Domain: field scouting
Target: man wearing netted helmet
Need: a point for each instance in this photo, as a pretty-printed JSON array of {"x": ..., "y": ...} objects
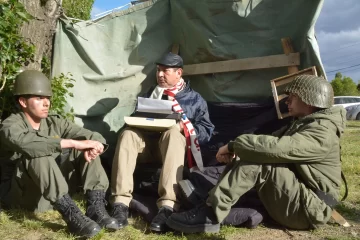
[
  {"x": 296, "y": 171},
  {"x": 43, "y": 156}
]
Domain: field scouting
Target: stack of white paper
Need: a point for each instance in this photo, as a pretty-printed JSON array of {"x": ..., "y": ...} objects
[{"x": 152, "y": 106}]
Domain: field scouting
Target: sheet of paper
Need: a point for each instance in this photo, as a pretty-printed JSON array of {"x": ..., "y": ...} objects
[{"x": 154, "y": 105}]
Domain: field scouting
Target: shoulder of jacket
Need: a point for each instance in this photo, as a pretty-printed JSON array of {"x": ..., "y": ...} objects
[
  {"x": 54, "y": 119},
  {"x": 322, "y": 125},
  {"x": 13, "y": 118},
  {"x": 195, "y": 94},
  {"x": 327, "y": 124},
  {"x": 148, "y": 93}
]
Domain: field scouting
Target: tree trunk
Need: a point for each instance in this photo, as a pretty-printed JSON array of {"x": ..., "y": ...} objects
[{"x": 40, "y": 30}]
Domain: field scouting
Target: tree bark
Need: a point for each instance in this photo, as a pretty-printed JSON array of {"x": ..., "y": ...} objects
[{"x": 40, "y": 30}]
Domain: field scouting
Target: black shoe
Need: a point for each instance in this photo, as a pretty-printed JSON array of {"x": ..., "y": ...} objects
[
  {"x": 96, "y": 210},
  {"x": 189, "y": 194},
  {"x": 120, "y": 212},
  {"x": 158, "y": 224},
  {"x": 78, "y": 224},
  {"x": 199, "y": 219}
]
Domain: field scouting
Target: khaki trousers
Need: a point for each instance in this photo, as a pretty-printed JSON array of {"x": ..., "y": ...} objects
[{"x": 135, "y": 144}]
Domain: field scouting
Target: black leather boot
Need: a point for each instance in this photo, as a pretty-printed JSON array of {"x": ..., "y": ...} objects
[
  {"x": 158, "y": 224},
  {"x": 78, "y": 224},
  {"x": 199, "y": 219},
  {"x": 190, "y": 196},
  {"x": 120, "y": 212},
  {"x": 96, "y": 210}
]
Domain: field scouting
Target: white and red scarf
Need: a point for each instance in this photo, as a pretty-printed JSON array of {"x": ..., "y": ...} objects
[{"x": 192, "y": 144}]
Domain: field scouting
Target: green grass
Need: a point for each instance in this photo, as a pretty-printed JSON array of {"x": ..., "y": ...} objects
[{"x": 18, "y": 224}]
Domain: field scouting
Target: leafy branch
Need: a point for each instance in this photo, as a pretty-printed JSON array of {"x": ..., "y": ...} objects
[
  {"x": 15, "y": 53},
  {"x": 60, "y": 87}
]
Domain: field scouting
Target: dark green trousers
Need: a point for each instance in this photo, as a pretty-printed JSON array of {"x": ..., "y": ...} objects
[
  {"x": 287, "y": 200},
  {"x": 39, "y": 182}
]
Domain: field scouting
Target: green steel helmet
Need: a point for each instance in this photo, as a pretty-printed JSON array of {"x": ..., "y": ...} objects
[
  {"x": 312, "y": 90},
  {"x": 32, "y": 82}
]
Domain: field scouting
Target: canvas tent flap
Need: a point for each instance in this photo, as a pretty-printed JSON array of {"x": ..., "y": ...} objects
[
  {"x": 112, "y": 59},
  {"x": 210, "y": 31}
]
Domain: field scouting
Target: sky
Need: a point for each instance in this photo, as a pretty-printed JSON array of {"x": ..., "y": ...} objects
[{"x": 337, "y": 31}]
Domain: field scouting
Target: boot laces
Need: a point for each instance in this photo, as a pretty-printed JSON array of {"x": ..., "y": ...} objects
[
  {"x": 120, "y": 210},
  {"x": 76, "y": 216},
  {"x": 100, "y": 207}
]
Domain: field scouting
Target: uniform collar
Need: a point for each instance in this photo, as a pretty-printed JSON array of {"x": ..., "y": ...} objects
[{"x": 44, "y": 124}]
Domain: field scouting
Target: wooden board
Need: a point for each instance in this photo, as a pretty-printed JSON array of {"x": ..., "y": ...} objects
[
  {"x": 339, "y": 219},
  {"x": 289, "y": 78},
  {"x": 175, "y": 48},
  {"x": 272, "y": 61},
  {"x": 288, "y": 48}
]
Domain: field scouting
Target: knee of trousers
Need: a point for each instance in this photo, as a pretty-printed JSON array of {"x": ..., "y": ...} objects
[
  {"x": 173, "y": 132},
  {"x": 130, "y": 134},
  {"x": 46, "y": 174}
]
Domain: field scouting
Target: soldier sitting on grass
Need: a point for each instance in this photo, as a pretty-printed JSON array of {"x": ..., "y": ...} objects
[
  {"x": 296, "y": 171},
  {"x": 40, "y": 154}
]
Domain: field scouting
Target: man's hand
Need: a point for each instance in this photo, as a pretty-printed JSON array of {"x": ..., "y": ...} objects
[
  {"x": 91, "y": 148},
  {"x": 89, "y": 144},
  {"x": 90, "y": 155},
  {"x": 224, "y": 156}
]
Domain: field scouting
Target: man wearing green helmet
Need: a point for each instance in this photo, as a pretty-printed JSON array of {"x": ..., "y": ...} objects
[
  {"x": 296, "y": 171},
  {"x": 43, "y": 157}
]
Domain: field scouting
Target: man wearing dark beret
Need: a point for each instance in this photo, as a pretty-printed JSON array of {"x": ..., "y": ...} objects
[{"x": 171, "y": 146}]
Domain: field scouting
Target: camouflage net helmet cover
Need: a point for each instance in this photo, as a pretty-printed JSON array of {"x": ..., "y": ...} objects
[
  {"x": 312, "y": 90},
  {"x": 32, "y": 82}
]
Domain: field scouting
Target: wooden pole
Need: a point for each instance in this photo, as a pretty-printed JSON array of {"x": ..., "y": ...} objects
[{"x": 288, "y": 48}]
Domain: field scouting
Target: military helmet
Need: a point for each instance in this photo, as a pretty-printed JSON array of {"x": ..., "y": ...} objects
[
  {"x": 32, "y": 82},
  {"x": 312, "y": 90}
]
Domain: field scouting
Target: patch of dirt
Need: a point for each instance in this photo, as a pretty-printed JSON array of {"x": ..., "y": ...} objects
[{"x": 33, "y": 236}]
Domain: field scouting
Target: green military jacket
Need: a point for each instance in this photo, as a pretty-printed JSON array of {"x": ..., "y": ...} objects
[
  {"x": 18, "y": 138},
  {"x": 310, "y": 145}
]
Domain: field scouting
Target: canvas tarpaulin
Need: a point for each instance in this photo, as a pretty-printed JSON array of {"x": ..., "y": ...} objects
[{"x": 112, "y": 59}]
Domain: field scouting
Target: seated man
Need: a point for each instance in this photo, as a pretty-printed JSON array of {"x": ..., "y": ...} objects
[
  {"x": 292, "y": 170},
  {"x": 41, "y": 154},
  {"x": 169, "y": 146}
]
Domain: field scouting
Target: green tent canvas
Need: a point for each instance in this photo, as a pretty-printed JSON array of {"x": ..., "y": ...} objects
[{"x": 112, "y": 58}]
